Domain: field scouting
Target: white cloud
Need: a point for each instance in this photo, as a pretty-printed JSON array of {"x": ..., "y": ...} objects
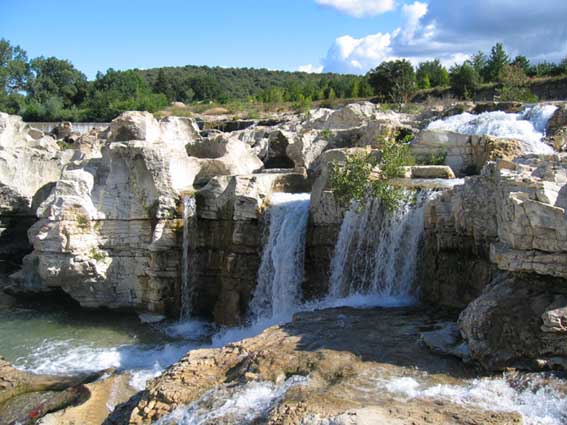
[
  {"x": 439, "y": 29},
  {"x": 311, "y": 69},
  {"x": 360, "y": 8}
]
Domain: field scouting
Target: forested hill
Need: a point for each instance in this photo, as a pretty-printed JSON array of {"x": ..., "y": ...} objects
[{"x": 197, "y": 83}]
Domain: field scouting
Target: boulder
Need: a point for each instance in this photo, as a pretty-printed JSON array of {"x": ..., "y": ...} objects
[
  {"x": 465, "y": 154},
  {"x": 134, "y": 126},
  {"x": 518, "y": 321}
]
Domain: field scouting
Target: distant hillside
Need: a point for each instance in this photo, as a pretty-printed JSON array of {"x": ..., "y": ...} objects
[{"x": 197, "y": 83}]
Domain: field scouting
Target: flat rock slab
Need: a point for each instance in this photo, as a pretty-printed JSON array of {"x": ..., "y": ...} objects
[{"x": 348, "y": 355}]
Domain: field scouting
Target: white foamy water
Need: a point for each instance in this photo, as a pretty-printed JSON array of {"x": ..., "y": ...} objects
[
  {"x": 66, "y": 357},
  {"x": 232, "y": 405},
  {"x": 528, "y": 126},
  {"x": 278, "y": 290},
  {"x": 376, "y": 252},
  {"x": 538, "y": 403},
  {"x": 189, "y": 209}
]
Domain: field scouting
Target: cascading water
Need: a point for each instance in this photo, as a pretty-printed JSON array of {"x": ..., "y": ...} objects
[
  {"x": 189, "y": 208},
  {"x": 377, "y": 250},
  {"x": 528, "y": 126},
  {"x": 278, "y": 291}
]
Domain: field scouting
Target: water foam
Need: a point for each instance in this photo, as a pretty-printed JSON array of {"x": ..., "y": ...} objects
[
  {"x": 241, "y": 404},
  {"x": 376, "y": 252},
  {"x": 528, "y": 126},
  {"x": 280, "y": 275},
  {"x": 538, "y": 403}
]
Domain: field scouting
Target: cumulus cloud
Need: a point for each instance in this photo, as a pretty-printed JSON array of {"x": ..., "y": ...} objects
[
  {"x": 439, "y": 29},
  {"x": 311, "y": 69},
  {"x": 360, "y": 8}
]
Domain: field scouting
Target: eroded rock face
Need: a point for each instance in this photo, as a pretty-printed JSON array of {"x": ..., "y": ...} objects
[
  {"x": 108, "y": 233},
  {"x": 519, "y": 320},
  {"x": 512, "y": 217},
  {"x": 466, "y": 155},
  {"x": 30, "y": 163}
]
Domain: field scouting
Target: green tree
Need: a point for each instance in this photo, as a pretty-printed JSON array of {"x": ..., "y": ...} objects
[
  {"x": 14, "y": 76},
  {"x": 465, "y": 80},
  {"x": 393, "y": 81},
  {"x": 497, "y": 60},
  {"x": 52, "y": 77},
  {"x": 369, "y": 174},
  {"x": 117, "y": 91},
  {"x": 515, "y": 85},
  {"x": 522, "y": 63},
  {"x": 432, "y": 72},
  {"x": 479, "y": 62}
]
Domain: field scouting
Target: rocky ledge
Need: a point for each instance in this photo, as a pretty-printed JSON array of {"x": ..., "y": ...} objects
[{"x": 339, "y": 358}]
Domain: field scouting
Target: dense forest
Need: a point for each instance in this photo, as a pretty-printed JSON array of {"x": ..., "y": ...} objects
[{"x": 52, "y": 89}]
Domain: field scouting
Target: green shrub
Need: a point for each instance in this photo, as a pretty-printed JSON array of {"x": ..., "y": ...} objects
[{"x": 363, "y": 175}]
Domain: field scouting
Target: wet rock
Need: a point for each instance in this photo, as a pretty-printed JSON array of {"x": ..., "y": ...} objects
[
  {"x": 345, "y": 360},
  {"x": 229, "y": 233}
]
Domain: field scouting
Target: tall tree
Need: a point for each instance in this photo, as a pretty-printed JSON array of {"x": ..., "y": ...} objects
[
  {"x": 497, "y": 60},
  {"x": 52, "y": 77},
  {"x": 464, "y": 80},
  {"x": 432, "y": 72},
  {"x": 14, "y": 76},
  {"x": 393, "y": 81}
]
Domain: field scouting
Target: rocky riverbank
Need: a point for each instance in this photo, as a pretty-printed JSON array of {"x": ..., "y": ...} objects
[{"x": 101, "y": 218}]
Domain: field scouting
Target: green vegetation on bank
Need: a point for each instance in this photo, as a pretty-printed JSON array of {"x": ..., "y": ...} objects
[
  {"x": 366, "y": 175},
  {"x": 52, "y": 89}
]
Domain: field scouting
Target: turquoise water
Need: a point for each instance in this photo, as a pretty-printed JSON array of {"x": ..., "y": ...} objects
[{"x": 53, "y": 339}]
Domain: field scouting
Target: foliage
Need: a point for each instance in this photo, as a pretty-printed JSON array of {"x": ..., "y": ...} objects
[
  {"x": 14, "y": 75},
  {"x": 366, "y": 174},
  {"x": 393, "y": 81},
  {"x": 465, "y": 80},
  {"x": 435, "y": 159},
  {"x": 515, "y": 85},
  {"x": 497, "y": 60},
  {"x": 118, "y": 91},
  {"x": 432, "y": 74},
  {"x": 478, "y": 62},
  {"x": 52, "y": 77}
]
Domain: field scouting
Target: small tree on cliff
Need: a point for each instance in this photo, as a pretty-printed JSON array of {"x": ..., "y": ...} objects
[
  {"x": 368, "y": 174},
  {"x": 393, "y": 81}
]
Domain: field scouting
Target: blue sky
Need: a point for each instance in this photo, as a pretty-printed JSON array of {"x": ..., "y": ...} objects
[{"x": 334, "y": 35}]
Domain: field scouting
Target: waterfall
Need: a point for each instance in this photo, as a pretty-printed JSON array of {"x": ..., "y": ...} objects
[
  {"x": 528, "y": 126},
  {"x": 189, "y": 208},
  {"x": 280, "y": 275},
  {"x": 377, "y": 251}
]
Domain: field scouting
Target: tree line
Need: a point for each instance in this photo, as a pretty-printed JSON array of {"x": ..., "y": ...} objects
[
  {"x": 52, "y": 89},
  {"x": 397, "y": 81}
]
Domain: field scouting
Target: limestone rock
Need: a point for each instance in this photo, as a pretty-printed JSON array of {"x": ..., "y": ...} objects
[
  {"x": 465, "y": 154},
  {"x": 358, "y": 349},
  {"x": 503, "y": 327},
  {"x": 29, "y": 166},
  {"x": 229, "y": 235},
  {"x": 108, "y": 233},
  {"x": 134, "y": 126}
]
